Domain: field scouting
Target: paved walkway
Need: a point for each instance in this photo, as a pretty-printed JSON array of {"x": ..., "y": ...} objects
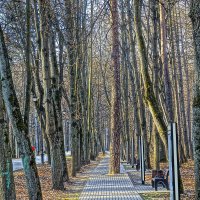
[
  {"x": 102, "y": 186},
  {"x": 135, "y": 177}
]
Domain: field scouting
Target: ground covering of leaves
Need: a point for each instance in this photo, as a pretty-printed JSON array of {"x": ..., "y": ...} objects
[
  {"x": 76, "y": 185},
  {"x": 72, "y": 189},
  {"x": 187, "y": 174}
]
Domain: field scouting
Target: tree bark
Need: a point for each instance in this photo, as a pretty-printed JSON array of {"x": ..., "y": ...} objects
[
  {"x": 7, "y": 185},
  {"x": 71, "y": 47},
  {"x": 139, "y": 109},
  {"x": 185, "y": 62},
  {"x": 164, "y": 58},
  {"x": 58, "y": 169},
  {"x": 28, "y": 66},
  {"x": 195, "y": 17},
  {"x": 115, "y": 103},
  {"x": 19, "y": 128},
  {"x": 125, "y": 81},
  {"x": 155, "y": 79},
  {"x": 149, "y": 95},
  {"x": 57, "y": 95},
  {"x": 181, "y": 95}
]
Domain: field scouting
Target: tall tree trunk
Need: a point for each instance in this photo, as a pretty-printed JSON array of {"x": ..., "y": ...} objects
[
  {"x": 195, "y": 17},
  {"x": 19, "y": 128},
  {"x": 57, "y": 95},
  {"x": 83, "y": 88},
  {"x": 98, "y": 120},
  {"x": 181, "y": 94},
  {"x": 51, "y": 123},
  {"x": 139, "y": 109},
  {"x": 28, "y": 65},
  {"x": 36, "y": 83},
  {"x": 149, "y": 95},
  {"x": 71, "y": 47},
  {"x": 115, "y": 108},
  {"x": 176, "y": 94},
  {"x": 7, "y": 186},
  {"x": 125, "y": 81},
  {"x": 156, "y": 78},
  {"x": 164, "y": 58},
  {"x": 89, "y": 107},
  {"x": 185, "y": 62},
  {"x": 79, "y": 40}
]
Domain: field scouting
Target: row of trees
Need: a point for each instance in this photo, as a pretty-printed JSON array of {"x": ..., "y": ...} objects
[{"x": 123, "y": 66}]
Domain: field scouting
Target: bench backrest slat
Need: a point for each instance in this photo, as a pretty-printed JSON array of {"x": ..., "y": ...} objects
[{"x": 160, "y": 173}]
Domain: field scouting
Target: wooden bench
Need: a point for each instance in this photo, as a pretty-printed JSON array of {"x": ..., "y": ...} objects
[{"x": 160, "y": 176}]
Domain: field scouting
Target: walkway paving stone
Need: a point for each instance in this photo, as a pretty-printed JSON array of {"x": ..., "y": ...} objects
[
  {"x": 103, "y": 186},
  {"x": 135, "y": 175}
]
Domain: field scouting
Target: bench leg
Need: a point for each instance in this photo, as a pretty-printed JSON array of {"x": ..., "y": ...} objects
[
  {"x": 156, "y": 185},
  {"x": 152, "y": 184},
  {"x": 167, "y": 185}
]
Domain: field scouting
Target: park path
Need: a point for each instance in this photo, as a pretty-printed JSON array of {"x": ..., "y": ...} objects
[{"x": 103, "y": 186}]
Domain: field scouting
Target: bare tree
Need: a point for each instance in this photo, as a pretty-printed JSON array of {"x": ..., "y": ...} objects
[
  {"x": 19, "y": 128},
  {"x": 115, "y": 102},
  {"x": 7, "y": 186}
]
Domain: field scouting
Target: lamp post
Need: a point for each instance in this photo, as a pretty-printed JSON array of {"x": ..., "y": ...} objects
[
  {"x": 173, "y": 161},
  {"x": 106, "y": 139},
  {"x": 142, "y": 162},
  {"x": 132, "y": 152}
]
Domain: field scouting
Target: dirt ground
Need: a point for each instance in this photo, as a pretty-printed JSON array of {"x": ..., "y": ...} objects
[
  {"x": 187, "y": 174},
  {"x": 76, "y": 185},
  {"x": 72, "y": 189}
]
